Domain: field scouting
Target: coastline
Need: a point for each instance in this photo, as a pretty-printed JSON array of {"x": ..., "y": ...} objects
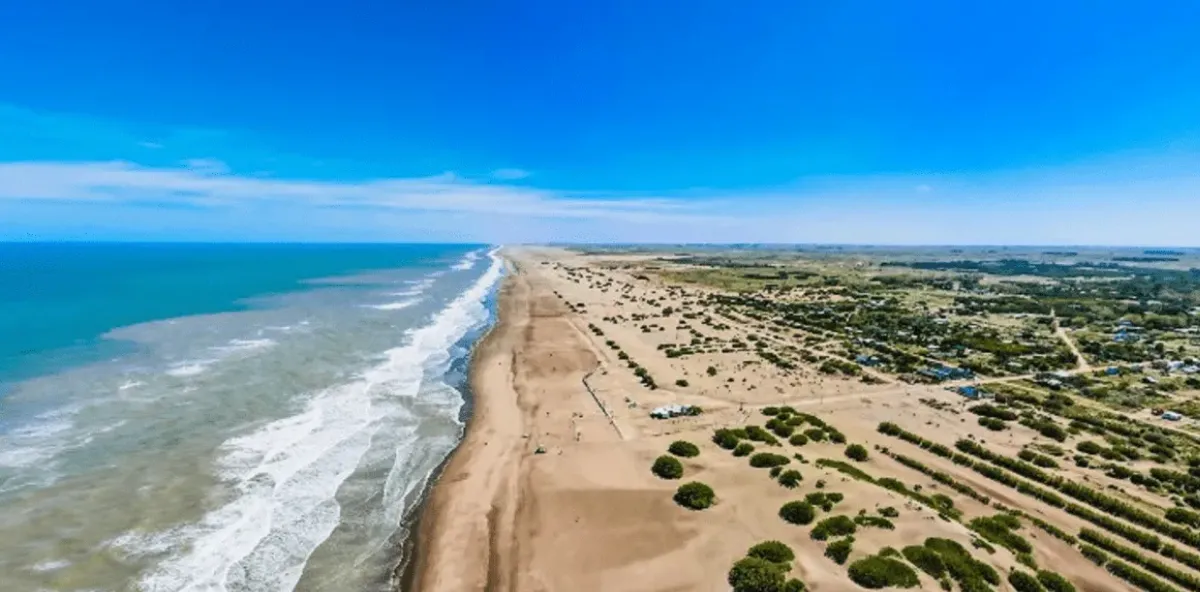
[{"x": 412, "y": 570}]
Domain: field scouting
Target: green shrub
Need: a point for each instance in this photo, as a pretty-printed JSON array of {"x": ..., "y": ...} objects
[
  {"x": 1053, "y": 582},
  {"x": 1023, "y": 582},
  {"x": 681, "y": 383},
  {"x": 783, "y": 430},
  {"x": 839, "y": 550},
  {"x": 889, "y": 512},
  {"x": 694, "y": 495},
  {"x": 775, "y": 471},
  {"x": 743, "y": 449},
  {"x": 1093, "y": 554},
  {"x": 992, "y": 423},
  {"x": 926, "y": 560},
  {"x": 798, "y": 440},
  {"x": 801, "y": 513},
  {"x": 998, "y": 529},
  {"x": 791, "y": 479},
  {"x": 815, "y": 434},
  {"x": 837, "y": 437},
  {"x": 763, "y": 460},
  {"x": 833, "y": 526},
  {"x": 683, "y": 448},
  {"x": 770, "y": 411},
  {"x": 773, "y": 551},
  {"x": 882, "y": 572},
  {"x": 751, "y": 574},
  {"x": 856, "y": 452},
  {"x": 874, "y": 521},
  {"x": 725, "y": 438},
  {"x": 667, "y": 467},
  {"x": 889, "y": 552},
  {"x": 794, "y": 585}
]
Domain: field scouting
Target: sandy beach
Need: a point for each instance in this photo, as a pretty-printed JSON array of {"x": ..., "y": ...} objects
[{"x": 551, "y": 488}]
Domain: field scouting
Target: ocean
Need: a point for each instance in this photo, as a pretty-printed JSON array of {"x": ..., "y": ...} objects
[{"x": 227, "y": 417}]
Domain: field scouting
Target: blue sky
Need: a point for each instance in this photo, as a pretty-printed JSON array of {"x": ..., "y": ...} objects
[{"x": 773, "y": 121}]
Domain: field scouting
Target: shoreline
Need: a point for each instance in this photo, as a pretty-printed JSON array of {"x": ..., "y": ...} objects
[{"x": 415, "y": 549}]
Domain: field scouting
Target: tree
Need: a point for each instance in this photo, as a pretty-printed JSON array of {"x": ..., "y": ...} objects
[
  {"x": 694, "y": 495},
  {"x": 667, "y": 467},
  {"x": 752, "y": 574},
  {"x": 683, "y": 448},
  {"x": 800, "y": 513},
  {"x": 856, "y": 452},
  {"x": 773, "y": 551},
  {"x": 712, "y": 371}
]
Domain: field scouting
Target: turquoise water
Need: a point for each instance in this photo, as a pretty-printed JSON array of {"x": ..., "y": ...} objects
[
  {"x": 58, "y": 299},
  {"x": 226, "y": 417}
]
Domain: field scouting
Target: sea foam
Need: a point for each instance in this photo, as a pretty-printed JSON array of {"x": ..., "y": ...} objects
[{"x": 286, "y": 474}]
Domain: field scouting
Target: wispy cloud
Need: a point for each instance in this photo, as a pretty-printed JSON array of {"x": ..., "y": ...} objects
[
  {"x": 510, "y": 174},
  {"x": 209, "y": 183}
]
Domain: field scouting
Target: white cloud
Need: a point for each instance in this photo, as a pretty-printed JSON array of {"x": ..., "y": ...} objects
[
  {"x": 207, "y": 182},
  {"x": 510, "y": 174}
]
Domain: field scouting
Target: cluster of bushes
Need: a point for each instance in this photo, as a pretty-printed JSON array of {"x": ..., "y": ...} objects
[
  {"x": 799, "y": 513},
  {"x": 878, "y": 571},
  {"x": 823, "y": 500},
  {"x": 874, "y": 522},
  {"x": 695, "y": 496},
  {"x": 970, "y": 573},
  {"x": 839, "y": 550},
  {"x": 1083, "y": 493},
  {"x": 667, "y": 467},
  {"x": 992, "y": 423},
  {"x": 1040, "y": 460},
  {"x": 1054, "y": 582},
  {"x": 743, "y": 449},
  {"x": 941, "y": 477},
  {"x": 832, "y": 526},
  {"x": 1137, "y": 577},
  {"x": 766, "y": 460},
  {"x": 999, "y": 529},
  {"x": 989, "y": 410},
  {"x": 943, "y": 504},
  {"x": 790, "y": 479},
  {"x": 856, "y": 452},
  {"x": 758, "y": 434},
  {"x": 1024, "y": 582},
  {"x": 754, "y": 574},
  {"x": 1189, "y": 580},
  {"x": 683, "y": 448}
]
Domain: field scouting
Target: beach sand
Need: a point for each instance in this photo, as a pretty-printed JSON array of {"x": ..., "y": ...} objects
[{"x": 551, "y": 490}]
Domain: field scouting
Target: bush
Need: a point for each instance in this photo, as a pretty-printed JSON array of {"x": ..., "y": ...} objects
[
  {"x": 837, "y": 437},
  {"x": 838, "y": 551},
  {"x": 889, "y": 512},
  {"x": 683, "y": 448},
  {"x": 725, "y": 438},
  {"x": 791, "y": 479},
  {"x": 667, "y": 467},
  {"x": 764, "y": 460},
  {"x": 992, "y": 423},
  {"x": 743, "y": 449},
  {"x": 856, "y": 452},
  {"x": 694, "y": 495},
  {"x": 752, "y": 574},
  {"x": 798, "y": 440},
  {"x": 794, "y": 585},
  {"x": 1054, "y": 582},
  {"x": 926, "y": 560},
  {"x": 773, "y": 551},
  {"x": 1023, "y": 582},
  {"x": 882, "y": 572},
  {"x": 681, "y": 383},
  {"x": 1093, "y": 554},
  {"x": 770, "y": 411},
  {"x": 783, "y": 430},
  {"x": 833, "y": 526},
  {"x": 874, "y": 521},
  {"x": 815, "y": 434},
  {"x": 801, "y": 513}
]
